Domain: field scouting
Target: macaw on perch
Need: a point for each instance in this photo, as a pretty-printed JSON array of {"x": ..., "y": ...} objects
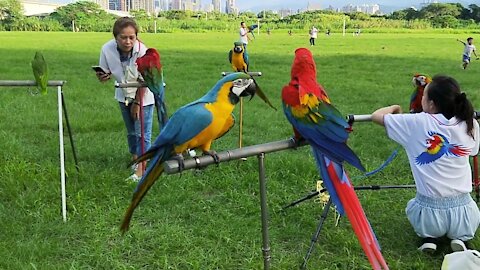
[
  {"x": 238, "y": 57},
  {"x": 195, "y": 125},
  {"x": 151, "y": 70},
  {"x": 420, "y": 82},
  {"x": 40, "y": 72},
  {"x": 313, "y": 117}
]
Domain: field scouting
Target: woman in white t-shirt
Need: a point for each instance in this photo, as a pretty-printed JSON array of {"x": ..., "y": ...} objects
[{"x": 438, "y": 142}]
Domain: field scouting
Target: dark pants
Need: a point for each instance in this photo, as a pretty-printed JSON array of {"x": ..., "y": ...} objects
[{"x": 312, "y": 41}]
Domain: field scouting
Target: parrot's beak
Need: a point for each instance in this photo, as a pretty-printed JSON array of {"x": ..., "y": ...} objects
[
  {"x": 253, "y": 89},
  {"x": 237, "y": 49}
]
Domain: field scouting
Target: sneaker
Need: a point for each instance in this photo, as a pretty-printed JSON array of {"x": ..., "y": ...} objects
[
  {"x": 458, "y": 245},
  {"x": 134, "y": 167},
  {"x": 429, "y": 245},
  {"x": 133, "y": 178}
]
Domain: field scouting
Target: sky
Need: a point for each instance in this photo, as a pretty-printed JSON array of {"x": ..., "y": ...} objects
[{"x": 256, "y": 5}]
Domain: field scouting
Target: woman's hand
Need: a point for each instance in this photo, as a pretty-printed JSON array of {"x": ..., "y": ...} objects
[
  {"x": 135, "y": 110},
  {"x": 102, "y": 76}
]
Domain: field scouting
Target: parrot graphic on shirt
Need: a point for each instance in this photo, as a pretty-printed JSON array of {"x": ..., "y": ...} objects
[
  {"x": 420, "y": 82},
  {"x": 314, "y": 118},
  {"x": 238, "y": 57},
  {"x": 195, "y": 125},
  {"x": 151, "y": 70},
  {"x": 438, "y": 146},
  {"x": 40, "y": 72}
]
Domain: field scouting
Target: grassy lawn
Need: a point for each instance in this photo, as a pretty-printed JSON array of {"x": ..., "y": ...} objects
[{"x": 210, "y": 219}]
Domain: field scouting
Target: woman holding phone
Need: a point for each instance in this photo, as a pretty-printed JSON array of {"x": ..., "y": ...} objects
[{"x": 117, "y": 59}]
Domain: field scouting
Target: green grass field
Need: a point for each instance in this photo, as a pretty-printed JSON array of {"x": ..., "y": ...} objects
[{"x": 211, "y": 219}]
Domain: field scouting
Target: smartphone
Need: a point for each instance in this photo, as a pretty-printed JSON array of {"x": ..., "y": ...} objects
[{"x": 99, "y": 69}]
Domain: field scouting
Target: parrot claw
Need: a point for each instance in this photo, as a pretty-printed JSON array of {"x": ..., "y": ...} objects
[
  {"x": 214, "y": 155},
  {"x": 297, "y": 141},
  {"x": 181, "y": 164}
]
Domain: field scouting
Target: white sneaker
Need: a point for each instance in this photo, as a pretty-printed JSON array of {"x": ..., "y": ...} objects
[
  {"x": 457, "y": 245},
  {"x": 428, "y": 247},
  {"x": 133, "y": 178},
  {"x": 134, "y": 167}
]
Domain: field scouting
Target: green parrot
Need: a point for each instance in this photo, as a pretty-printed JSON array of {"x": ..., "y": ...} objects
[{"x": 40, "y": 71}]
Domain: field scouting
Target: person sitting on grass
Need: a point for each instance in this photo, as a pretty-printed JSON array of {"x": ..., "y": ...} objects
[
  {"x": 467, "y": 51},
  {"x": 438, "y": 142}
]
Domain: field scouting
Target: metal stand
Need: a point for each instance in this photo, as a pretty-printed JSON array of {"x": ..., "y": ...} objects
[
  {"x": 317, "y": 233},
  {"x": 61, "y": 105},
  {"x": 264, "y": 211},
  {"x": 70, "y": 135},
  {"x": 171, "y": 167}
]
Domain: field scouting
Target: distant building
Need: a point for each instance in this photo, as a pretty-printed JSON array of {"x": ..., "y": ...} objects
[
  {"x": 427, "y": 2},
  {"x": 365, "y": 8},
  {"x": 104, "y": 4},
  {"x": 285, "y": 12},
  {"x": 230, "y": 7},
  {"x": 314, "y": 6},
  {"x": 176, "y": 5},
  {"x": 216, "y": 5},
  {"x": 114, "y": 5},
  {"x": 38, "y": 8}
]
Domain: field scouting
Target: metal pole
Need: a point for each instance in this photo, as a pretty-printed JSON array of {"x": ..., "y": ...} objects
[
  {"x": 317, "y": 233},
  {"x": 240, "y": 124},
  {"x": 62, "y": 155},
  {"x": 29, "y": 83},
  {"x": 251, "y": 73},
  {"x": 70, "y": 133},
  {"x": 264, "y": 211}
]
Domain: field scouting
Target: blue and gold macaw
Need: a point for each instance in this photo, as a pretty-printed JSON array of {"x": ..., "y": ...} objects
[
  {"x": 195, "y": 125},
  {"x": 238, "y": 57},
  {"x": 314, "y": 118}
]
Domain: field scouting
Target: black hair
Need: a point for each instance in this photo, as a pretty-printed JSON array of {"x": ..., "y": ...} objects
[
  {"x": 470, "y": 38},
  {"x": 445, "y": 93},
  {"x": 242, "y": 23},
  {"x": 122, "y": 23}
]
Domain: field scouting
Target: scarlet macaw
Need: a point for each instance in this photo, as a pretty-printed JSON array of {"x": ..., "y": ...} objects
[
  {"x": 40, "y": 72},
  {"x": 151, "y": 69},
  {"x": 313, "y": 117},
  {"x": 420, "y": 82},
  {"x": 195, "y": 125},
  {"x": 238, "y": 57}
]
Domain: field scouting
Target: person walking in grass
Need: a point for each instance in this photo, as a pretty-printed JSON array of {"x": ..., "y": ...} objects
[
  {"x": 438, "y": 142},
  {"x": 313, "y": 35},
  {"x": 467, "y": 51}
]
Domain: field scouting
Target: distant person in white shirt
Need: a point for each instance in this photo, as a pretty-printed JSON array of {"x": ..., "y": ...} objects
[
  {"x": 438, "y": 142},
  {"x": 244, "y": 34},
  {"x": 467, "y": 51},
  {"x": 313, "y": 35}
]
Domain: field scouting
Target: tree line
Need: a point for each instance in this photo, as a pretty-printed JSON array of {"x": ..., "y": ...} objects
[{"x": 87, "y": 16}]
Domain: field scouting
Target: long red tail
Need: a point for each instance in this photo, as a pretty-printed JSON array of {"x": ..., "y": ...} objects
[{"x": 355, "y": 214}]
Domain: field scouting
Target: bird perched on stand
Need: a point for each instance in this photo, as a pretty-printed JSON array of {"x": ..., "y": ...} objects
[
  {"x": 238, "y": 57},
  {"x": 151, "y": 70},
  {"x": 195, "y": 125},
  {"x": 40, "y": 72},
  {"x": 313, "y": 117}
]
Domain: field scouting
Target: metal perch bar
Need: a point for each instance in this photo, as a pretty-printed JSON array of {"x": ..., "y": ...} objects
[
  {"x": 58, "y": 84},
  {"x": 368, "y": 117},
  {"x": 130, "y": 84},
  {"x": 171, "y": 166},
  {"x": 29, "y": 83},
  {"x": 251, "y": 73}
]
